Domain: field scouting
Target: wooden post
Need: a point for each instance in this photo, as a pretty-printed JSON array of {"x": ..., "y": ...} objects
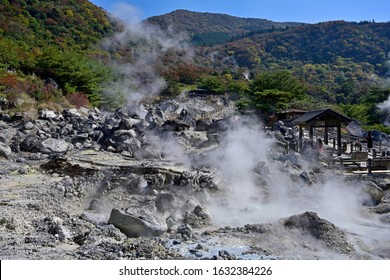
[
  {"x": 311, "y": 134},
  {"x": 326, "y": 136},
  {"x": 369, "y": 166},
  {"x": 339, "y": 139},
  {"x": 300, "y": 138}
]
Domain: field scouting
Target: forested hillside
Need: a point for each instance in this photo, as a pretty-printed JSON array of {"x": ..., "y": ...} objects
[
  {"x": 209, "y": 29},
  {"x": 343, "y": 64},
  {"x": 51, "y": 39}
]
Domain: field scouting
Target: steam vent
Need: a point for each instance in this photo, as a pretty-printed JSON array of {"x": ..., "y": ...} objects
[{"x": 192, "y": 178}]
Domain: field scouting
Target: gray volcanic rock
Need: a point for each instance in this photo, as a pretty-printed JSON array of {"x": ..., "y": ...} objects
[
  {"x": 5, "y": 151},
  {"x": 50, "y": 146},
  {"x": 28, "y": 143},
  {"x": 374, "y": 193},
  {"x": 165, "y": 202},
  {"x": 133, "y": 226},
  {"x": 309, "y": 222},
  {"x": 48, "y": 114}
]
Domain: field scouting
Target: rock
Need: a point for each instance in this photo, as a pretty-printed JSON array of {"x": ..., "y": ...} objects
[
  {"x": 202, "y": 213},
  {"x": 63, "y": 233},
  {"x": 137, "y": 184},
  {"x": 132, "y": 146},
  {"x": 194, "y": 138},
  {"x": 5, "y": 117},
  {"x": 5, "y": 151},
  {"x": 309, "y": 222},
  {"x": 202, "y": 124},
  {"x": 122, "y": 135},
  {"x": 171, "y": 222},
  {"x": 225, "y": 255},
  {"x": 165, "y": 202},
  {"x": 185, "y": 230},
  {"x": 51, "y": 82},
  {"x": 133, "y": 226},
  {"x": 193, "y": 220},
  {"x": 121, "y": 113},
  {"x": 71, "y": 113},
  {"x": 385, "y": 219},
  {"x": 155, "y": 117},
  {"x": 23, "y": 171},
  {"x": 28, "y": 144},
  {"x": 53, "y": 146},
  {"x": 127, "y": 123},
  {"x": 305, "y": 177},
  {"x": 374, "y": 193},
  {"x": 80, "y": 138},
  {"x": 382, "y": 208},
  {"x": 47, "y": 114},
  {"x": 28, "y": 126},
  {"x": 173, "y": 125}
]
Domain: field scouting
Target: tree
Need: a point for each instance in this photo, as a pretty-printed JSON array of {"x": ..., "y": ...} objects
[
  {"x": 75, "y": 70},
  {"x": 212, "y": 83},
  {"x": 272, "y": 91}
]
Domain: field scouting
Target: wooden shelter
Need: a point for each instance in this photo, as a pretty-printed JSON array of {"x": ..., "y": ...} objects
[
  {"x": 289, "y": 114},
  {"x": 322, "y": 118}
]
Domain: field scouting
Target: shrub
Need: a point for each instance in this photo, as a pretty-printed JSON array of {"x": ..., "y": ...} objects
[{"x": 78, "y": 100}]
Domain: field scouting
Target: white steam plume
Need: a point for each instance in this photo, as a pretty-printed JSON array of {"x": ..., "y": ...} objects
[
  {"x": 280, "y": 193},
  {"x": 140, "y": 46},
  {"x": 384, "y": 107}
]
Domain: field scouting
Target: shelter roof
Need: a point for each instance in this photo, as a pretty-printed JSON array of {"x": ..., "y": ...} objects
[{"x": 321, "y": 115}]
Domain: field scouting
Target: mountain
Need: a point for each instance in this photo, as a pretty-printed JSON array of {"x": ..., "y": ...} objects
[
  {"x": 211, "y": 28},
  {"x": 343, "y": 58},
  {"x": 322, "y": 43}
]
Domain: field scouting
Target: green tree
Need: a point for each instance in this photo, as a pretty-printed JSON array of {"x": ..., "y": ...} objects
[
  {"x": 212, "y": 83},
  {"x": 272, "y": 91},
  {"x": 71, "y": 69}
]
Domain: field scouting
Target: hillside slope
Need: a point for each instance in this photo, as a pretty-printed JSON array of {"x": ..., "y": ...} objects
[
  {"x": 55, "y": 39},
  {"x": 211, "y": 28}
]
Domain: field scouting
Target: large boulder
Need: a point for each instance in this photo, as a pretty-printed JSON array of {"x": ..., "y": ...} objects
[
  {"x": 155, "y": 116},
  {"x": 53, "y": 146},
  {"x": 29, "y": 142},
  {"x": 310, "y": 223},
  {"x": 133, "y": 226}
]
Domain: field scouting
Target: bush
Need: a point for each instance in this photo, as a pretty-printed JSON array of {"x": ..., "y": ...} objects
[{"x": 78, "y": 100}]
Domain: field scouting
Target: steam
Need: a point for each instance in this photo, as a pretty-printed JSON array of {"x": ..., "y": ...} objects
[
  {"x": 239, "y": 151},
  {"x": 384, "y": 107},
  {"x": 139, "y": 47},
  {"x": 258, "y": 188}
]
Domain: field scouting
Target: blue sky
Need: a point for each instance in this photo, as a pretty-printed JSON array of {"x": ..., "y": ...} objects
[{"x": 310, "y": 11}]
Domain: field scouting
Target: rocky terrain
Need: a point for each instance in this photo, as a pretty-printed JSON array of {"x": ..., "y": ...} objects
[{"x": 184, "y": 179}]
